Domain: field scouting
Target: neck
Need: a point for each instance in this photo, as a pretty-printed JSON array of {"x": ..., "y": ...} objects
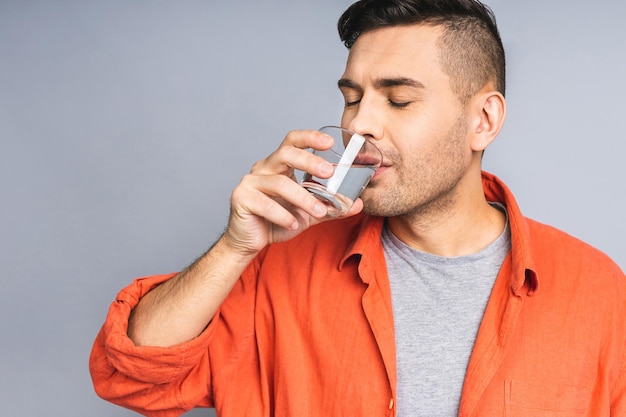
[{"x": 462, "y": 226}]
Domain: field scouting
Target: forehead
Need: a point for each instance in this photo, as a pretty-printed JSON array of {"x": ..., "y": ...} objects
[{"x": 409, "y": 50}]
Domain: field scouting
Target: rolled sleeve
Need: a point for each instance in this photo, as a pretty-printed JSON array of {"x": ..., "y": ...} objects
[{"x": 155, "y": 381}]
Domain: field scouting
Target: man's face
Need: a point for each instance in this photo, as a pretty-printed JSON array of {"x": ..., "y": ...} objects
[{"x": 397, "y": 94}]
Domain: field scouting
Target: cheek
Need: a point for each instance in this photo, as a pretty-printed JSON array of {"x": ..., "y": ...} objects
[
  {"x": 430, "y": 153},
  {"x": 414, "y": 149}
]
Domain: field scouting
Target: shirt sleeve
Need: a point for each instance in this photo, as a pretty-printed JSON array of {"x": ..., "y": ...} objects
[
  {"x": 618, "y": 400},
  {"x": 154, "y": 381},
  {"x": 618, "y": 389}
]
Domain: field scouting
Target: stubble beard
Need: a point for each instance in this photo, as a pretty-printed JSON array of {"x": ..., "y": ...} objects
[{"x": 438, "y": 190}]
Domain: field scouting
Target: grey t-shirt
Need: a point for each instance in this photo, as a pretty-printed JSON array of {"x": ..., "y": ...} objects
[{"x": 438, "y": 304}]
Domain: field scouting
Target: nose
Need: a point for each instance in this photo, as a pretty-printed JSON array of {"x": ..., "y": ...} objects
[{"x": 364, "y": 120}]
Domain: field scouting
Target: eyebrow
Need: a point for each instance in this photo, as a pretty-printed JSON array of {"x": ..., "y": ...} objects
[{"x": 382, "y": 83}]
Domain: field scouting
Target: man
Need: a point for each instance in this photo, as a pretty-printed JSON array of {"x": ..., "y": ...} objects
[{"x": 440, "y": 299}]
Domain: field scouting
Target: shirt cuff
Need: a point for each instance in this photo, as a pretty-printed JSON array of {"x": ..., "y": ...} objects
[{"x": 150, "y": 364}]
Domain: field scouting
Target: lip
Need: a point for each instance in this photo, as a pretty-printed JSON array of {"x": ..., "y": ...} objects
[{"x": 381, "y": 169}]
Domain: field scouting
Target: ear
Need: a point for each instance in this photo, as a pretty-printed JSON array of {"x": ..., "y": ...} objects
[{"x": 489, "y": 111}]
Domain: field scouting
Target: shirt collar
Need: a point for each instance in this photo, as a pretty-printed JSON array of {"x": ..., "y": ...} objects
[{"x": 524, "y": 271}]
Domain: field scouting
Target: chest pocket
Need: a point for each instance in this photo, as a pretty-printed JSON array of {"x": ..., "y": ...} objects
[{"x": 524, "y": 400}]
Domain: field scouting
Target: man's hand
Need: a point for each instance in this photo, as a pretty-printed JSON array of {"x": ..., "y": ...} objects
[{"x": 269, "y": 206}]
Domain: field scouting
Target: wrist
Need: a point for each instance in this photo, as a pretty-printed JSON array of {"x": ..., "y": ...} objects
[{"x": 229, "y": 247}]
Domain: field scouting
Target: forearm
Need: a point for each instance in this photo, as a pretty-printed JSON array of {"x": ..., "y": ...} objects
[
  {"x": 180, "y": 308},
  {"x": 267, "y": 206}
]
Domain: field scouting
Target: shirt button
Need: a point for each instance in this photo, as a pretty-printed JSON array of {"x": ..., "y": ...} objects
[{"x": 391, "y": 403}]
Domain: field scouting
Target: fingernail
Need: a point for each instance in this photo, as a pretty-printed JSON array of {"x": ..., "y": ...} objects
[
  {"x": 320, "y": 209},
  {"x": 326, "y": 168}
]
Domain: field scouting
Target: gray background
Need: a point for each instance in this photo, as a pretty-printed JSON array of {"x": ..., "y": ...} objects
[{"x": 124, "y": 126}]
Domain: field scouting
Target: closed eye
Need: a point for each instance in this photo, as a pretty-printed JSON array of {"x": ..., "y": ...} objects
[{"x": 399, "y": 105}]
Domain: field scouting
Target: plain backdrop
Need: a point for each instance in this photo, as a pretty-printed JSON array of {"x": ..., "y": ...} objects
[{"x": 125, "y": 125}]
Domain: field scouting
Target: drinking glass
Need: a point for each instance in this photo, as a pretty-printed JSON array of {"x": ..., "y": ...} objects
[{"x": 355, "y": 159}]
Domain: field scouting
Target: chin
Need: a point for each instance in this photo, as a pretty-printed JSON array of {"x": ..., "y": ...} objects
[{"x": 374, "y": 208}]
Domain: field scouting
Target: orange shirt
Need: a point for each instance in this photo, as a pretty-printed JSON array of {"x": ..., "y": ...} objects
[{"x": 308, "y": 331}]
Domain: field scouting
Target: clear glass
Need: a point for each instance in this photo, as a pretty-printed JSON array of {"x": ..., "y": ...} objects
[{"x": 355, "y": 159}]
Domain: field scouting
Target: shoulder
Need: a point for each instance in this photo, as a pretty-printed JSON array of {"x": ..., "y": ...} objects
[
  {"x": 557, "y": 253},
  {"x": 552, "y": 240}
]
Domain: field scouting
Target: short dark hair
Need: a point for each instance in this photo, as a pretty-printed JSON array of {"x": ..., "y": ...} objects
[{"x": 471, "y": 50}]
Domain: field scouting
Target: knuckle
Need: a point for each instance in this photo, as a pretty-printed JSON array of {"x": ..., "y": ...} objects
[
  {"x": 258, "y": 166},
  {"x": 290, "y": 136},
  {"x": 236, "y": 195},
  {"x": 266, "y": 204}
]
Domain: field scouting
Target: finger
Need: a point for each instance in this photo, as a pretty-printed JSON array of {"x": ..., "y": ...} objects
[
  {"x": 294, "y": 153},
  {"x": 287, "y": 158},
  {"x": 269, "y": 209},
  {"x": 356, "y": 208},
  {"x": 248, "y": 201},
  {"x": 283, "y": 188},
  {"x": 308, "y": 139},
  {"x": 278, "y": 187}
]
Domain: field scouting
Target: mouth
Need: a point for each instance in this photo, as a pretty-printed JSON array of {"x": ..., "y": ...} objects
[{"x": 381, "y": 169}]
